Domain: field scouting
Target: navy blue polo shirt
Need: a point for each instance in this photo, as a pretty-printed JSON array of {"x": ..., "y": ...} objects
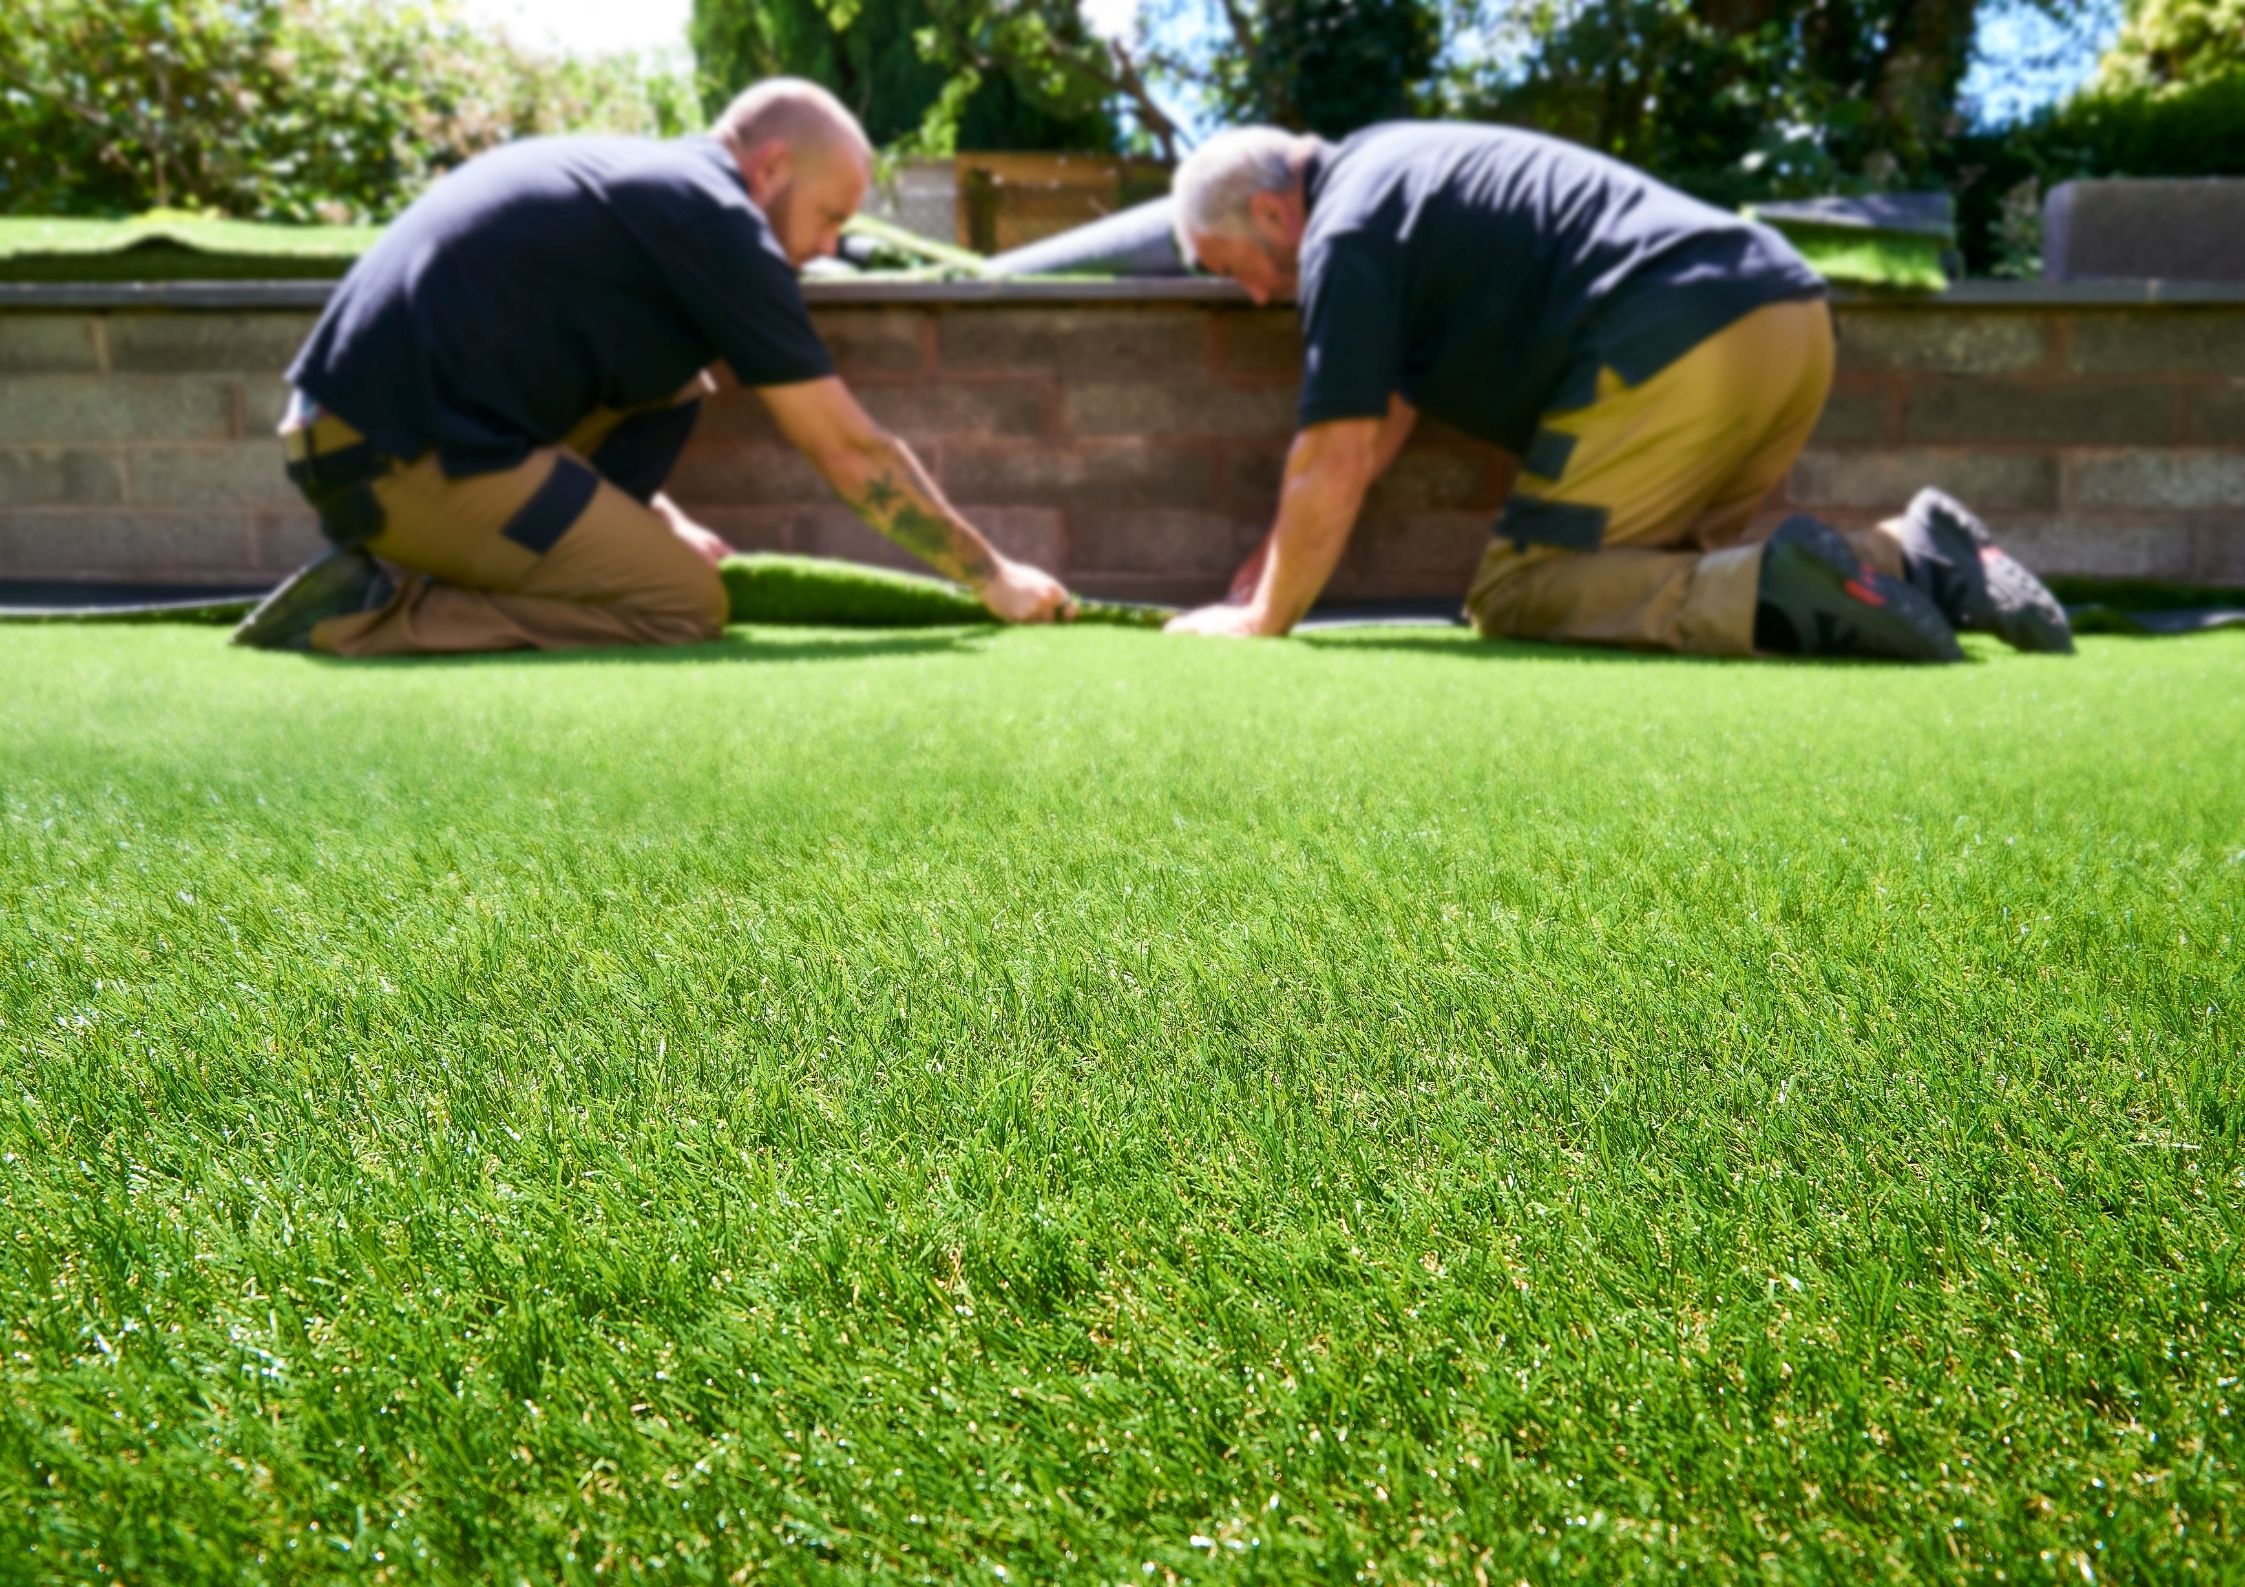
[
  {"x": 549, "y": 278},
  {"x": 1485, "y": 273}
]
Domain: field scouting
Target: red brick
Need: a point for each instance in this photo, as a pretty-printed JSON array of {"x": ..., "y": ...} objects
[
  {"x": 748, "y": 528},
  {"x": 873, "y": 341},
  {"x": 727, "y": 472},
  {"x": 2071, "y": 414},
  {"x": 1104, "y": 408},
  {"x": 1944, "y": 341},
  {"x": 1110, "y": 343},
  {"x": 1027, "y": 533},
  {"x": 957, "y": 407},
  {"x": 1165, "y": 539},
  {"x": 1450, "y": 543},
  {"x": 1263, "y": 343},
  {"x": 1127, "y": 473},
  {"x": 1423, "y": 479},
  {"x": 1886, "y": 480}
]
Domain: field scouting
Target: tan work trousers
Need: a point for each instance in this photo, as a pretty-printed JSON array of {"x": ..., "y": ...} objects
[
  {"x": 1673, "y": 470},
  {"x": 547, "y": 555}
]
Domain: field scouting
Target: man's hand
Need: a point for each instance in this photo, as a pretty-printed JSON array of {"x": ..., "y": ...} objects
[
  {"x": 1018, "y": 593},
  {"x": 1226, "y": 620}
]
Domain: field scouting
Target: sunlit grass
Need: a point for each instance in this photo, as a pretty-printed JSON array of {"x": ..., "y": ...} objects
[{"x": 1110, "y": 1108}]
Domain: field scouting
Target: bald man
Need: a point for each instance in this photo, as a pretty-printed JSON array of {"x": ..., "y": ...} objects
[{"x": 485, "y": 414}]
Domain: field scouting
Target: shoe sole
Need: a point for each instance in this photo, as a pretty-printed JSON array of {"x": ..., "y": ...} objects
[
  {"x": 2005, "y": 599},
  {"x": 279, "y": 622},
  {"x": 1881, "y": 616}
]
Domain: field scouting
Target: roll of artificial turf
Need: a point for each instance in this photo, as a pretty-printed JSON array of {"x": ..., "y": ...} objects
[
  {"x": 760, "y": 587},
  {"x": 819, "y": 592}
]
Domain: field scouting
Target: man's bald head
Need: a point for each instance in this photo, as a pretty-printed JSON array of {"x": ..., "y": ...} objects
[
  {"x": 812, "y": 123},
  {"x": 805, "y": 159}
]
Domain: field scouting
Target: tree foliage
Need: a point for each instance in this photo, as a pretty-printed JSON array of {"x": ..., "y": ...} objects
[
  {"x": 926, "y": 71},
  {"x": 292, "y": 110}
]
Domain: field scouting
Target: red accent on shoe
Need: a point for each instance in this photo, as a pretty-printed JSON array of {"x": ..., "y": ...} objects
[
  {"x": 1990, "y": 553},
  {"x": 1863, "y": 592}
]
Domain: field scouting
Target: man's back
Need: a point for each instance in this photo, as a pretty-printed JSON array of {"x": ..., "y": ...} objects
[
  {"x": 549, "y": 278},
  {"x": 1500, "y": 254}
]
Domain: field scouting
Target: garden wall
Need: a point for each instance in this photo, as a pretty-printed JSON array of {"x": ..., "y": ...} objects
[{"x": 1131, "y": 436}]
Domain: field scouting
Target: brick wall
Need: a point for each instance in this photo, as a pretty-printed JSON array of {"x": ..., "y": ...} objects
[{"x": 1135, "y": 446}]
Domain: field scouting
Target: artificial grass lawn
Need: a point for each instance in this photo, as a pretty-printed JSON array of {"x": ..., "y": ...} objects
[{"x": 1092, "y": 1106}]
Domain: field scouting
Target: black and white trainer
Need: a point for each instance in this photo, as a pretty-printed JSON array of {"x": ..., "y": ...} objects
[
  {"x": 1949, "y": 554},
  {"x": 1817, "y": 598}
]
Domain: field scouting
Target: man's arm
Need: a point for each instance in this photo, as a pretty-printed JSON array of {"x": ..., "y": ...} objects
[
  {"x": 1395, "y": 430},
  {"x": 884, "y": 484},
  {"x": 1328, "y": 470}
]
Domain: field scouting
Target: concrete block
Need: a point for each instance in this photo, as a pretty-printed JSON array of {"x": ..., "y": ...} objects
[
  {"x": 282, "y": 542},
  {"x": 2058, "y": 415},
  {"x": 2218, "y": 555},
  {"x": 958, "y": 407},
  {"x": 1856, "y": 415},
  {"x": 115, "y": 408},
  {"x": 2087, "y": 547},
  {"x": 112, "y": 543},
  {"x": 2172, "y": 341},
  {"x": 734, "y": 415},
  {"x": 1944, "y": 341},
  {"x": 734, "y": 473},
  {"x": 1155, "y": 342},
  {"x": 48, "y": 344},
  {"x": 242, "y": 474},
  {"x": 2132, "y": 229},
  {"x": 873, "y": 341},
  {"x": 56, "y": 476},
  {"x": 2217, "y": 414},
  {"x": 1166, "y": 539},
  {"x": 1886, "y": 480},
  {"x": 263, "y": 404},
  {"x": 1129, "y": 473},
  {"x": 1260, "y": 343},
  {"x": 1198, "y": 409},
  {"x": 2183, "y": 481},
  {"x": 172, "y": 343}
]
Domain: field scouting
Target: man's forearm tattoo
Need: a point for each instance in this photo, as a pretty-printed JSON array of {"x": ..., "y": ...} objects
[{"x": 893, "y": 510}]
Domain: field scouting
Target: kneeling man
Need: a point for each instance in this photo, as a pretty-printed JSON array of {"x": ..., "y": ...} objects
[
  {"x": 485, "y": 414},
  {"x": 1655, "y": 364}
]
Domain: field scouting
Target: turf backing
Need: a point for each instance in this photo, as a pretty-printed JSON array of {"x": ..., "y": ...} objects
[{"x": 1086, "y": 1106}]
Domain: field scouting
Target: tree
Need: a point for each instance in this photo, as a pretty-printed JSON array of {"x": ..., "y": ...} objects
[
  {"x": 277, "y": 109},
  {"x": 914, "y": 70},
  {"x": 1735, "y": 99},
  {"x": 2174, "y": 44}
]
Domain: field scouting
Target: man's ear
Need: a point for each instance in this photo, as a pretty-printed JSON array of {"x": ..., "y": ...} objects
[
  {"x": 1272, "y": 216},
  {"x": 770, "y": 166}
]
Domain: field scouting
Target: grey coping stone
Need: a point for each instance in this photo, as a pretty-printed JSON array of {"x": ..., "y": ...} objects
[
  {"x": 195, "y": 295},
  {"x": 2175, "y": 229}
]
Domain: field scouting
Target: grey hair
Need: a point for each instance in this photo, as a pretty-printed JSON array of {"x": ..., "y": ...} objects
[
  {"x": 798, "y": 112},
  {"x": 1208, "y": 196}
]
